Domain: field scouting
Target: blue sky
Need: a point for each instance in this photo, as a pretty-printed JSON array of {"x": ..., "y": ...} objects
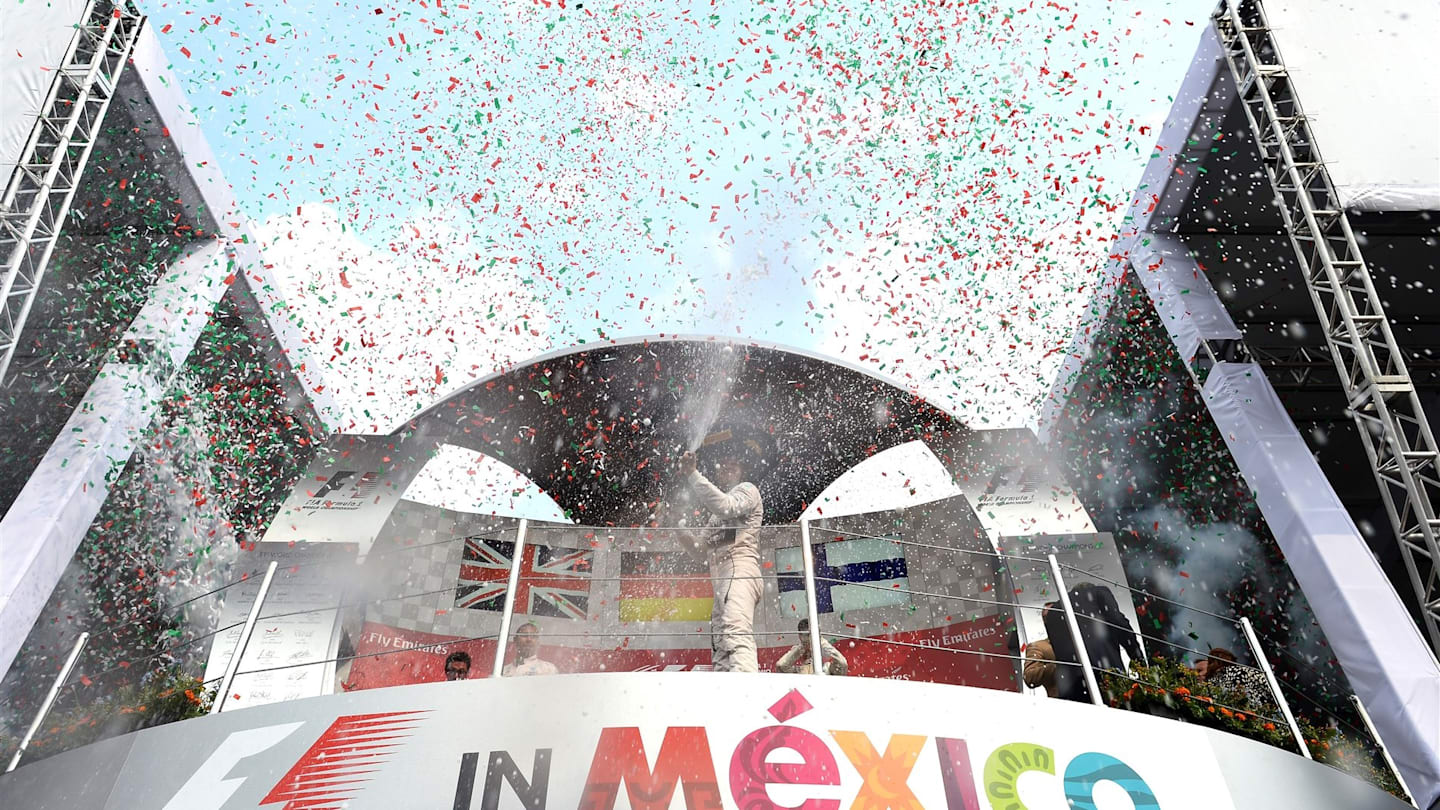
[{"x": 446, "y": 189}]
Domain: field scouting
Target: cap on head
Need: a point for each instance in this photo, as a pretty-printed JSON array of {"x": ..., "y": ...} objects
[{"x": 751, "y": 449}]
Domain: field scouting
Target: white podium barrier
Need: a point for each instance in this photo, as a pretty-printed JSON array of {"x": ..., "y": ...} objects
[{"x": 692, "y": 740}]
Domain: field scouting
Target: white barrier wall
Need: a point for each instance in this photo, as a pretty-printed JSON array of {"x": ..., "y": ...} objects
[{"x": 691, "y": 740}]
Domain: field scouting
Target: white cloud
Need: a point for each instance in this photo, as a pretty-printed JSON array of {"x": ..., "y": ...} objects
[
  {"x": 463, "y": 480},
  {"x": 903, "y": 476}
]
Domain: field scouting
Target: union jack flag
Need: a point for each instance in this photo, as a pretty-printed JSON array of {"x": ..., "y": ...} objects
[{"x": 553, "y": 581}]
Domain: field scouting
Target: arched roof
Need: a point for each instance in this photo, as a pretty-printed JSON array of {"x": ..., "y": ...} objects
[{"x": 599, "y": 427}]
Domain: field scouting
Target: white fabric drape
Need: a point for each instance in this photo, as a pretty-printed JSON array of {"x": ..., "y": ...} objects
[{"x": 1386, "y": 659}]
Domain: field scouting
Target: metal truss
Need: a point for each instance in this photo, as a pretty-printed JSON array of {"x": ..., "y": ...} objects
[
  {"x": 1297, "y": 368},
  {"x": 1380, "y": 394},
  {"x": 38, "y": 196}
]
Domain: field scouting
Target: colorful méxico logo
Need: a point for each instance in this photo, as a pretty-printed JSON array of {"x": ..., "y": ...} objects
[
  {"x": 686, "y": 762},
  {"x": 353, "y": 763}
]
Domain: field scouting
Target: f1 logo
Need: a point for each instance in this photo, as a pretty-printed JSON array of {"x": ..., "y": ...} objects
[
  {"x": 208, "y": 789},
  {"x": 351, "y": 745},
  {"x": 336, "y": 481}
]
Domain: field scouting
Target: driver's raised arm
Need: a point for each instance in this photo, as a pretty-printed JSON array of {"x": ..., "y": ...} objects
[{"x": 738, "y": 502}]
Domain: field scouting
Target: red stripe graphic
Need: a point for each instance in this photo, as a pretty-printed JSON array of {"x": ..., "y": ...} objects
[
  {"x": 330, "y": 772},
  {"x": 666, "y": 587}
]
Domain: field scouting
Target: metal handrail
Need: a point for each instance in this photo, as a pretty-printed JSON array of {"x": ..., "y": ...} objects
[{"x": 807, "y": 573}]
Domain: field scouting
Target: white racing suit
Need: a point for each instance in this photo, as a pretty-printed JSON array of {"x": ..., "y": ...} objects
[{"x": 734, "y": 571}]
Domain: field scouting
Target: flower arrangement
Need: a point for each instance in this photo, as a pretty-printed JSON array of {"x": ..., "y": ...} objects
[
  {"x": 1175, "y": 691},
  {"x": 161, "y": 697}
]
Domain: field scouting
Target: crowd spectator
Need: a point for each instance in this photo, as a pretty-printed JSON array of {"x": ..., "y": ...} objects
[
  {"x": 457, "y": 666},
  {"x": 1220, "y": 669},
  {"x": 1069, "y": 678},
  {"x": 527, "y": 651},
  {"x": 797, "y": 658},
  {"x": 1040, "y": 665},
  {"x": 1105, "y": 629}
]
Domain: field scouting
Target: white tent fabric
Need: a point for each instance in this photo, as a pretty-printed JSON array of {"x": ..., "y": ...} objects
[
  {"x": 1365, "y": 73},
  {"x": 1386, "y": 659},
  {"x": 49, "y": 518},
  {"x": 1188, "y": 306},
  {"x": 34, "y": 37}
]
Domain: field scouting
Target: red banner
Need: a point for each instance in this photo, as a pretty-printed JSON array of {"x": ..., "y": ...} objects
[{"x": 967, "y": 653}]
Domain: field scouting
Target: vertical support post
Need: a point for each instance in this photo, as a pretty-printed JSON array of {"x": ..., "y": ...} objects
[
  {"x": 50, "y": 700},
  {"x": 807, "y": 558},
  {"x": 1384, "y": 751},
  {"x": 508, "y": 614},
  {"x": 234, "y": 665},
  {"x": 1090, "y": 682},
  {"x": 1264, "y": 664}
]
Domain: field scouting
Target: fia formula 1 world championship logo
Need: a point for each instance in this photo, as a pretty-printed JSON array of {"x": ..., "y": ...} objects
[{"x": 328, "y": 774}]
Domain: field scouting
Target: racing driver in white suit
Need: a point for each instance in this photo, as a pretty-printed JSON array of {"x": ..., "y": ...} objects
[{"x": 736, "y": 510}]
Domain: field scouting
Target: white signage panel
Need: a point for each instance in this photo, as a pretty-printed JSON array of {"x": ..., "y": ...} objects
[{"x": 700, "y": 741}]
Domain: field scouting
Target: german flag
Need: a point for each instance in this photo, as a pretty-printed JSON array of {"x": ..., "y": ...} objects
[{"x": 664, "y": 587}]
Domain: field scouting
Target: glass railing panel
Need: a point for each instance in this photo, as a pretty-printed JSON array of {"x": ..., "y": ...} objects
[
  {"x": 128, "y": 677},
  {"x": 918, "y": 595},
  {"x": 296, "y": 637},
  {"x": 429, "y": 600}
]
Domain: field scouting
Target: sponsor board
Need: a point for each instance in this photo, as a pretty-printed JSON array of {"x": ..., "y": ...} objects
[
  {"x": 683, "y": 740},
  {"x": 291, "y": 652},
  {"x": 1016, "y": 490},
  {"x": 347, "y": 493},
  {"x": 954, "y": 653}
]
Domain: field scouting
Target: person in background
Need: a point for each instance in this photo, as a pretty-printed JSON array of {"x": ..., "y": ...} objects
[
  {"x": 1069, "y": 678},
  {"x": 797, "y": 658},
  {"x": 1040, "y": 664},
  {"x": 1220, "y": 669},
  {"x": 527, "y": 651},
  {"x": 736, "y": 512},
  {"x": 457, "y": 666},
  {"x": 1104, "y": 628}
]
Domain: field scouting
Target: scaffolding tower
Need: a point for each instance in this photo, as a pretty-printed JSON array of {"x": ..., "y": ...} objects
[
  {"x": 37, "y": 197},
  {"x": 1379, "y": 392}
]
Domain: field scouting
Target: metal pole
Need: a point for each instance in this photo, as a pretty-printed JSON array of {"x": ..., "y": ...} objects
[
  {"x": 1264, "y": 664},
  {"x": 1369, "y": 726},
  {"x": 509, "y": 612},
  {"x": 50, "y": 700},
  {"x": 234, "y": 666},
  {"x": 1070, "y": 620},
  {"x": 807, "y": 558}
]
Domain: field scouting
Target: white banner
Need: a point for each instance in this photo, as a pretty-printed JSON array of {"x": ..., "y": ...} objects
[
  {"x": 698, "y": 741},
  {"x": 298, "y": 624}
]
